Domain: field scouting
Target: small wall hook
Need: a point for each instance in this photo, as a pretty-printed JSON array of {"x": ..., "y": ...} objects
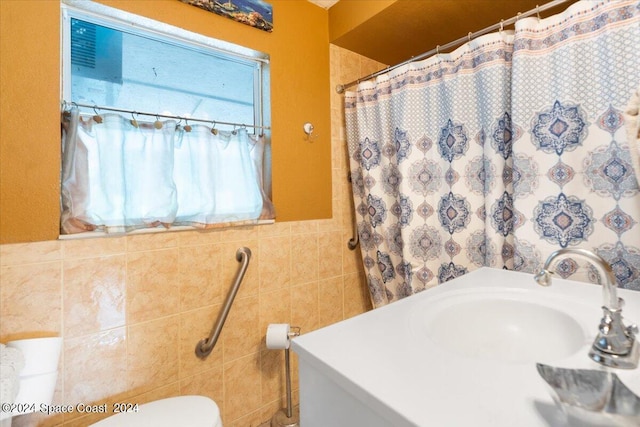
[{"x": 308, "y": 129}]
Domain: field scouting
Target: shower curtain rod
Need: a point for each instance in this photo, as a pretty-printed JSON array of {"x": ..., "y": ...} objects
[
  {"x": 498, "y": 26},
  {"x": 66, "y": 104}
]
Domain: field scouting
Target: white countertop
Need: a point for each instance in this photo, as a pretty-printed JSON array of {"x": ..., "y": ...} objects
[{"x": 385, "y": 360}]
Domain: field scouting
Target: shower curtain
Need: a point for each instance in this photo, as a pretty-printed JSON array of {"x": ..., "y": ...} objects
[{"x": 500, "y": 152}]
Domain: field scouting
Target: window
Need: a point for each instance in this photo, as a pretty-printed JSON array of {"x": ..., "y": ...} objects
[{"x": 165, "y": 127}]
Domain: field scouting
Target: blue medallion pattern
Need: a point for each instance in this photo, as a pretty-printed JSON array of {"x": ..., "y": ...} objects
[
  {"x": 504, "y": 135},
  {"x": 611, "y": 120},
  {"x": 450, "y": 271},
  {"x": 403, "y": 290},
  {"x": 525, "y": 173},
  {"x": 425, "y": 177},
  {"x": 625, "y": 263},
  {"x": 357, "y": 183},
  {"x": 453, "y": 142},
  {"x": 394, "y": 239},
  {"x": 377, "y": 210},
  {"x": 424, "y": 144},
  {"x": 391, "y": 179},
  {"x": 452, "y": 248},
  {"x": 403, "y": 145},
  {"x": 561, "y": 128},
  {"x": 609, "y": 172},
  {"x": 453, "y": 211},
  {"x": 369, "y": 262},
  {"x": 403, "y": 210},
  {"x": 561, "y": 174},
  {"x": 451, "y": 172},
  {"x": 365, "y": 232},
  {"x": 563, "y": 220},
  {"x": 566, "y": 268},
  {"x": 424, "y": 275},
  {"x": 386, "y": 267},
  {"x": 451, "y": 177},
  {"x": 480, "y": 250},
  {"x": 503, "y": 217},
  {"x": 369, "y": 154},
  {"x": 526, "y": 257},
  {"x": 480, "y": 175},
  {"x": 507, "y": 175},
  {"x": 404, "y": 270},
  {"x": 369, "y": 182},
  {"x": 425, "y": 243},
  {"x": 618, "y": 221},
  {"x": 425, "y": 210},
  {"x": 377, "y": 290}
]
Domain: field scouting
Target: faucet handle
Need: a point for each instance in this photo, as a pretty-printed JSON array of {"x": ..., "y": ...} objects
[{"x": 632, "y": 331}]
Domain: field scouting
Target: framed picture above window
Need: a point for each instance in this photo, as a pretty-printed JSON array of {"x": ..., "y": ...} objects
[{"x": 256, "y": 13}]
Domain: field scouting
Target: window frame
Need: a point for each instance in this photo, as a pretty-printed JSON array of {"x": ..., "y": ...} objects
[
  {"x": 128, "y": 22},
  {"x": 140, "y": 25}
]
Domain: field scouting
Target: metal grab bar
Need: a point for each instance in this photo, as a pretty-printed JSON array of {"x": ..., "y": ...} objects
[
  {"x": 352, "y": 244},
  {"x": 205, "y": 346}
]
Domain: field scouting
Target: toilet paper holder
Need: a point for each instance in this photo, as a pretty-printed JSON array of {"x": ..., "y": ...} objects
[
  {"x": 279, "y": 335},
  {"x": 284, "y": 417},
  {"x": 294, "y": 331}
]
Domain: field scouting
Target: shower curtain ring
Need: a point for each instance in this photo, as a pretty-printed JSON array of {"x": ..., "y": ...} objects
[
  {"x": 469, "y": 36},
  {"x": 66, "y": 111},
  {"x": 97, "y": 118},
  {"x": 438, "y": 50},
  {"x": 133, "y": 120},
  {"x": 157, "y": 124},
  {"x": 213, "y": 128},
  {"x": 538, "y": 11},
  {"x": 187, "y": 126},
  {"x": 234, "y": 131},
  {"x": 501, "y": 26}
]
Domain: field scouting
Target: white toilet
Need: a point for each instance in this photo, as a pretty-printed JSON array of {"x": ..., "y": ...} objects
[{"x": 181, "y": 411}]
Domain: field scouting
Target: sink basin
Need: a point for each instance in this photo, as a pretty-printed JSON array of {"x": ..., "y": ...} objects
[
  {"x": 462, "y": 353},
  {"x": 501, "y": 326}
]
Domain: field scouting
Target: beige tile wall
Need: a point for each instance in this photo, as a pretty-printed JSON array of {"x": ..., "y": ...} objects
[{"x": 131, "y": 309}]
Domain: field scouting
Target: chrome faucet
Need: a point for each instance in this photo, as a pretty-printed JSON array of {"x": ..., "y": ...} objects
[{"x": 615, "y": 345}]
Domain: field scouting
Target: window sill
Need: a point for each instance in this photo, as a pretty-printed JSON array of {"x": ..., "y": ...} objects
[{"x": 96, "y": 234}]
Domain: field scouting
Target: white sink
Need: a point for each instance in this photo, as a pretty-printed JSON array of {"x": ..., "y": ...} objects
[
  {"x": 499, "y": 326},
  {"x": 463, "y": 353}
]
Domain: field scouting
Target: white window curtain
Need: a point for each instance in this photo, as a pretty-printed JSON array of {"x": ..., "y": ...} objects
[{"x": 120, "y": 174}]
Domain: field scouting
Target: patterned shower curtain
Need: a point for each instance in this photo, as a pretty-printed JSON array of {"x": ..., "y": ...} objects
[
  {"x": 574, "y": 183},
  {"x": 500, "y": 152}
]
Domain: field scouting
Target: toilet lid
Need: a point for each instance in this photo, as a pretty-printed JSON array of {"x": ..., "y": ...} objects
[{"x": 187, "y": 411}]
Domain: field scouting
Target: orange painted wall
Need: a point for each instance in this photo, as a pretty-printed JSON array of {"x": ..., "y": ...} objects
[
  {"x": 347, "y": 15},
  {"x": 30, "y": 95},
  {"x": 131, "y": 308}
]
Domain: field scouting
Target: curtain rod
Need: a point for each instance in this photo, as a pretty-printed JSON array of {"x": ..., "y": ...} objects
[
  {"x": 498, "y": 26},
  {"x": 66, "y": 104}
]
